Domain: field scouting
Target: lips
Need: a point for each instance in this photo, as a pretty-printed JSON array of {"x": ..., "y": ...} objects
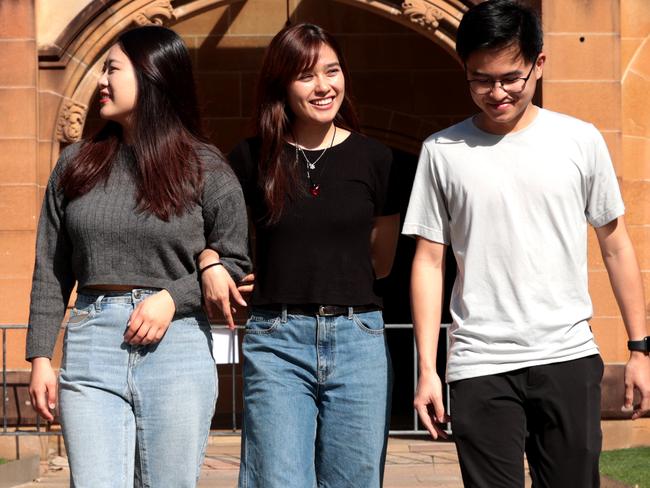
[
  {"x": 104, "y": 98},
  {"x": 322, "y": 102}
]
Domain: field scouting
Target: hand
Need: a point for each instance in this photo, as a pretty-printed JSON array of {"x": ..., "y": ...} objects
[
  {"x": 428, "y": 403},
  {"x": 637, "y": 375},
  {"x": 246, "y": 284},
  {"x": 218, "y": 288},
  {"x": 150, "y": 319},
  {"x": 42, "y": 388}
]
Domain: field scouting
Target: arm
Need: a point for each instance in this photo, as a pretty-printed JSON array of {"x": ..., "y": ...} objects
[
  {"x": 625, "y": 278},
  {"x": 383, "y": 243},
  {"x": 427, "y": 286},
  {"x": 52, "y": 284}
]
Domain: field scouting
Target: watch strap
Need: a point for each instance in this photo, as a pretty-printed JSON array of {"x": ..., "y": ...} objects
[{"x": 642, "y": 345}]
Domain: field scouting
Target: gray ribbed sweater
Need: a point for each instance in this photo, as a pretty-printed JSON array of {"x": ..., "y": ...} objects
[{"x": 101, "y": 239}]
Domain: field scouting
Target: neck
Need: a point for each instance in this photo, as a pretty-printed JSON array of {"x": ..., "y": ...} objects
[
  {"x": 127, "y": 133},
  {"x": 313, "y": 136}
]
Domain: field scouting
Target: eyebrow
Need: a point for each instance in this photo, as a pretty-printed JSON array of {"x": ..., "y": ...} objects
[{"x": 516, "y": 72}]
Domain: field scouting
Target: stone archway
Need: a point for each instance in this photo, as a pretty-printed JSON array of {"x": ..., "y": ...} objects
[{"x": 77, "y": 52}]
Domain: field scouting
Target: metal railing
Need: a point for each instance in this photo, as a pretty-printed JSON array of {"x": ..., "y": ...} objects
[{"x": 37, "y": 428}]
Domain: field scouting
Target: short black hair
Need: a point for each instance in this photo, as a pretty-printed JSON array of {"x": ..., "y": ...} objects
[{"x": 496, "y": 24}]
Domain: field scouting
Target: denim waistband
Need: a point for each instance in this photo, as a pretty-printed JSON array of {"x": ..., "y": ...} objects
[{"x": 110, "y": 296}]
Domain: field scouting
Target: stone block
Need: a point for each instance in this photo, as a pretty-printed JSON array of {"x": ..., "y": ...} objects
[
  {"x": 255, "y": 17},
  {"x": 629, "y": 48},
  {"x": 602, "y": 295},
  {"x": 636, "y": 195},
  {"x": 17, "y": 20},
  {"x": 20, "y": 471},
  {"x": 635, "y": 18},
  {"x": 18, "y": 207},
  {"x": 595, "y": 102},
  {"x": 213, "y": 21},
  {"x": 48, "y": 111},
  {"x": 585, "y": 16},
  {"x": 220, "y": 94},
  {"x": 18, "y": 63},
  {"x": 339, "y": 18},
  {"x": 18, "y": 106},
  {"x": 611, "y": 338},
  {"x": 572, "y": 57},
  {"x": 230, "y": 53},
  {"x": 636, "y": 116},
  {"x": 17, "y": 161},
  {"x": 17, "y": 255},
  {"x": 636, "y": 158},
  {"x": 640, "y": 235},
  {"x": 226, "y": 133},
  {"x": 14, "y": 306}
]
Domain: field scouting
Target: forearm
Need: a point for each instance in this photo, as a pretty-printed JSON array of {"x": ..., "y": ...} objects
[
  {"x": 426, "y": 303},
  {"x": 627, "y": 284}
]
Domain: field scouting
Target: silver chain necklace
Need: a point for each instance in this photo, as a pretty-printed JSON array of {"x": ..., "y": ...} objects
[{"x": 314, "y": 188}]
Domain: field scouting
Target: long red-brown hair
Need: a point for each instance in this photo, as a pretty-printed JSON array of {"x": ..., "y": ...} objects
[
  {"x": 166, "y": 129},
  {"x": 292, "y": 51}
]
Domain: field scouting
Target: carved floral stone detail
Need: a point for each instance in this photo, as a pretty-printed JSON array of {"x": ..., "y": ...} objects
[
  {"x": 422, "y": 13},
  {"x": 70, "y": 125},
  {"x": 157, "y": 13}
]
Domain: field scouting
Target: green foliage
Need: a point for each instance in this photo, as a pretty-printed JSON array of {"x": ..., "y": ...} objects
[{"x": 630, "y": 466}]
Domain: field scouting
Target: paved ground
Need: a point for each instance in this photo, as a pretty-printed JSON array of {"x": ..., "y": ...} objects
[{"x": 410, "y": 463}]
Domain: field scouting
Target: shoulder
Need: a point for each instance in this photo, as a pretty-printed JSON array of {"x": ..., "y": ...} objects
[
  {"x": 458, "y": 133},
  {"x": 567, "y": 125},
  {"x": 218, "y": 175}
]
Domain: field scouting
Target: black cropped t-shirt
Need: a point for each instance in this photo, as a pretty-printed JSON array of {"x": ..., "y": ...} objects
[{"x": 319, "y": 251}]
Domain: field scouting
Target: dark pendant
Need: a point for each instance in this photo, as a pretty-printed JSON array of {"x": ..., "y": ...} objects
[{"x": 314, "y": 189}]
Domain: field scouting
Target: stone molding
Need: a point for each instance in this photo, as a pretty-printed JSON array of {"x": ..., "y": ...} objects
[
  {"x": 84, "y": 41},
  {"x": 70, "y": 123},
  {"x": 158, "y": 13}
]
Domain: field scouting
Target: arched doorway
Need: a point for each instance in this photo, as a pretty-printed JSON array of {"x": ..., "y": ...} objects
[{"x": 404, "y": 76}]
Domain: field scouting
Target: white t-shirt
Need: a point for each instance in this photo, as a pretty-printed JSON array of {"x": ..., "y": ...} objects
[{"x": 514, "y": 209}]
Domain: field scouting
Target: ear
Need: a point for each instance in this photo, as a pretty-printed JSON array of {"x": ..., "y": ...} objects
[{"x": 539, "y": 65}]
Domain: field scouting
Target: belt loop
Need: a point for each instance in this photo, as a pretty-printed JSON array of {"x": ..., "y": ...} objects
[
  {"x": 136, "y": 294},
  {"x": 98, "y": 303},
  {"x": 284, "y": 314},
  {"x": 350, "y": 312}
]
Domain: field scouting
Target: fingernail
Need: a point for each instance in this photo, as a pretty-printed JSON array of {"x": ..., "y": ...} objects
[
  {"x": 627, "y": 408},
  {"x": 51, "y": 405}
]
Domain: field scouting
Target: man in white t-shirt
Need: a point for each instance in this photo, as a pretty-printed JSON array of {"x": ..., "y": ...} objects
[{"x": 512, "y": 191}]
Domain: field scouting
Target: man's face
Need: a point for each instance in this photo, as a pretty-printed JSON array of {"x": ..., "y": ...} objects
[{"x": 503, "y": 110}]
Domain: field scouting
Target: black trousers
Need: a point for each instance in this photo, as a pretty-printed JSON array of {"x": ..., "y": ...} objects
[{"x": 550, "y": 412}]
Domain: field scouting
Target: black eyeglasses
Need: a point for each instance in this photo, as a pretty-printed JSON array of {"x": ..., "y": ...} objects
[{"x": 508, "y": 85}]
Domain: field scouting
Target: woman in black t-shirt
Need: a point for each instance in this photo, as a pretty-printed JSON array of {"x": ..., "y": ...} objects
[{"x": 317, "y": 375}]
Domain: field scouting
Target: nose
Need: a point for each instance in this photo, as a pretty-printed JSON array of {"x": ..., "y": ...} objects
[
  {"x": 102, "y": 81},
  {"x": 321, "y": 85}
]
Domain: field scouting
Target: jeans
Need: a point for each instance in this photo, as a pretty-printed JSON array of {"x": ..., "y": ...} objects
[
  {"x": 316, "y": 401},
  {"x": 134, "y": 415}
]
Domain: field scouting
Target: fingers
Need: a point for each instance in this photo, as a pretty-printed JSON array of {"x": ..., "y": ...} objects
[
  {"x": 629, "y": 395},
  {"x": 644, "y": 407},
  {"x": 235, "y": 294},
  {"x": 426, "y": 420},
  {"x": 227, "y": 313},
  {"x": 39, "y": 398}
]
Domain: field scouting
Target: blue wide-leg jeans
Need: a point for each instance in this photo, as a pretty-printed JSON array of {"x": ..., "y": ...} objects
[
  {"x": 316, "y": 401},
  {"x": 134, "y": 415}
]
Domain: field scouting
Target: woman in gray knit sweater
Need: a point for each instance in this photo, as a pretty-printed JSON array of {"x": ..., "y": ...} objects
[{"x": 124, "y": 217}]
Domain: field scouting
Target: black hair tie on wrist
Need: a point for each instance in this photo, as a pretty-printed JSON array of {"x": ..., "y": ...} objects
[{"x": 218, "y": 263}]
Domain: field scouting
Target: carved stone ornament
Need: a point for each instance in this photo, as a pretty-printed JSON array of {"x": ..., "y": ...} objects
[
  {"x": 70, "y": 125},
  {"x": 422, "y": 13},
  {"x": 157, "y": 13}
]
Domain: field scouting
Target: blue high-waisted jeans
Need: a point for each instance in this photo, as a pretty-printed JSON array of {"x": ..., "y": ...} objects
[
  {"x": 316, "y": 401},
  {"x": 134, "y": 415}
]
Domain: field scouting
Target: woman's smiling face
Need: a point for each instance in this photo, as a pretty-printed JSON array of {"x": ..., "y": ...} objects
[{"x": 316, "y": 95}]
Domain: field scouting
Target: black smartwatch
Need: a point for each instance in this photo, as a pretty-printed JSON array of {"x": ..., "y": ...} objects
[{"x": 643, "y": 345}]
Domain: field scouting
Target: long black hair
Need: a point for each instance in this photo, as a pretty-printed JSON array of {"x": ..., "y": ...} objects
[
  {"x": 293, "y": 50},
  {"x": 166, "y": 128}
]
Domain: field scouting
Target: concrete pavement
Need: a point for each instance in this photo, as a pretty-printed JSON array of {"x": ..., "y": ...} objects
[{"x": 410, "y": 463}]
